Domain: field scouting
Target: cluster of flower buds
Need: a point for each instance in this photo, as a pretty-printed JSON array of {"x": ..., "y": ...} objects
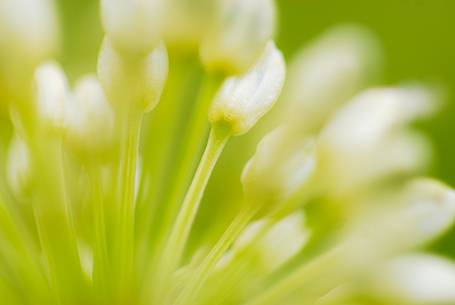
[{"x": 337, "y": 142}]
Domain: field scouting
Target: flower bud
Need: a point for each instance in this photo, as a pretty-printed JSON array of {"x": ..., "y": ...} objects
[
  {"x": 28, "y": 30},
  {"x": 19, "y": 167},
  {"x": 241, "y": 31},
  {"x": 281, "y": 242},
  {"x": 278, "y": 169},
  {"x": 419, "y": 214},
  {"x": 133, "y": 26},
  {"x": 187, "y": 22},
  {"x": 368, "y": 138},
  {"x": 414, "y": 279},
  {"x": 327, "y": 73},
  {"x": 137, "y": 83},
  {"x": 52, "y": 94},
  {"x": 243, "y": 100},
  {"x": 432, "y": 205},
  {"x": 28, "y": 35},
  {"x": 90, "y": 119}
]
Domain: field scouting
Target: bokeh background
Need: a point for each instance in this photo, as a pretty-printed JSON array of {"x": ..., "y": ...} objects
[{"x": 418, "y": 39}]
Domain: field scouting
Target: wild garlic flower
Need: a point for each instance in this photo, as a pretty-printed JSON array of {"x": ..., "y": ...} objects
[{"x": 106, "y": 194}]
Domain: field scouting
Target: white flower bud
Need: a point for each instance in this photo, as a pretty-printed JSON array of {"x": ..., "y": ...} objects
[
  {"x": 419, "y": 279},
  {"x": 432, "y": 205},
  {"x": 28, "y": 30},
  {"x": 187, "y": 22},
  {"x": 367, "y": 139},
  {"x": 278, "y": 169},
  {"x": 138, "y": 83},
  {"x": 28, "y": 36},
  {"x": 19, "y": 167},
  {"x": 240, "y": 33},
  {"x": 281, "y": 242},
  {"x": 133, "y": 26},
  {"x": 90, "y": 119},
  {"x": 327, "y": 73},
  {"x": 52, "y": 94},
  {"x": 417, "y": 216},
  {"x": 243, "y": 100}
]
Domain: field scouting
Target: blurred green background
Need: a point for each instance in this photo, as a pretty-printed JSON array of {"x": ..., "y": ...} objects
[{"x": 417, "y": 38}]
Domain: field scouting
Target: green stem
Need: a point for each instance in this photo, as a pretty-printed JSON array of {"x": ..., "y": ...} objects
[
  {"x": 178, "y": 238},
  {"x": 198, "y": 128},
  {"x": 208, "y": 264},
  {"x": 314, "y": 279},
  {"x": 127, "y": 199},
  {"x": 56, "y": 231},
  {"x": 101, "y": 258}
]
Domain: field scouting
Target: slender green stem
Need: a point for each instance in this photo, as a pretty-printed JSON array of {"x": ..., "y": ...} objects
[
  {"x": 127, "y": 177},
  {"x": 178, "y": 238},
  {"x": 55, "y": 227},
  {"x": 164, "y": 135},
  {"x": 101, "y": 258},
  {"x": 325, "y": 267},
  {"x": 208, "y": 264},
  {"x": 184, "y": 166}
]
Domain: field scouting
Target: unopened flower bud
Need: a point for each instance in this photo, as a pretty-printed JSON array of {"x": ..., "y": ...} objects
[
  {"x": 19, "y": 167},
  {"x": 240, "y": 33},
  {"x": 243, "y": 100},
  {"x": 281, "y": 242},
  {"x": 28, "y": 36},
  {"x": 423, "y": 211},
  {"x": 327, "y": 73},
  {"x": 187, "y": 22},
  {"x": 414, "y": 279},
  {"x": 432, "y": 206},
  {"x": 278, "y": 169},
  {"x": 137, "y": 83},
  {"x": 368, "y": 139},
  {"x": 52, "y": 93},
  {"x": 133, "y": 26},
  {"x": 90, "y": 119},
  {"x": 28, "y": 30}
]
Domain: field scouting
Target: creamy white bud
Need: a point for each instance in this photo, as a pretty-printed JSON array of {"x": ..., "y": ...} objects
[
  {"x": 90, "y": 119},
  {"x": 240, "y": 32},
  {"x": 419, "y": 279},
  {"x": 418, "y": 215},
  {"x": 278, "y": 169},
  {"x": 52, "y": 94},
  {"x": 373, "y": 113},
  {"x": 281, "y": 242},
  {"x": 138, "y": 83},
  {"x": 187, "y": 22},
  {"x": 432, "y": 205},
  {"x": 327, "y": 73},
  {"x": 19, "y": 172},
  {"x": 28, "y": 30},
  {"x": 368, "y": 139},
  {"x": 28, "y": 36},
  {"x": 243, "y": 100},
  {"x": 133, "y": 26}
]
